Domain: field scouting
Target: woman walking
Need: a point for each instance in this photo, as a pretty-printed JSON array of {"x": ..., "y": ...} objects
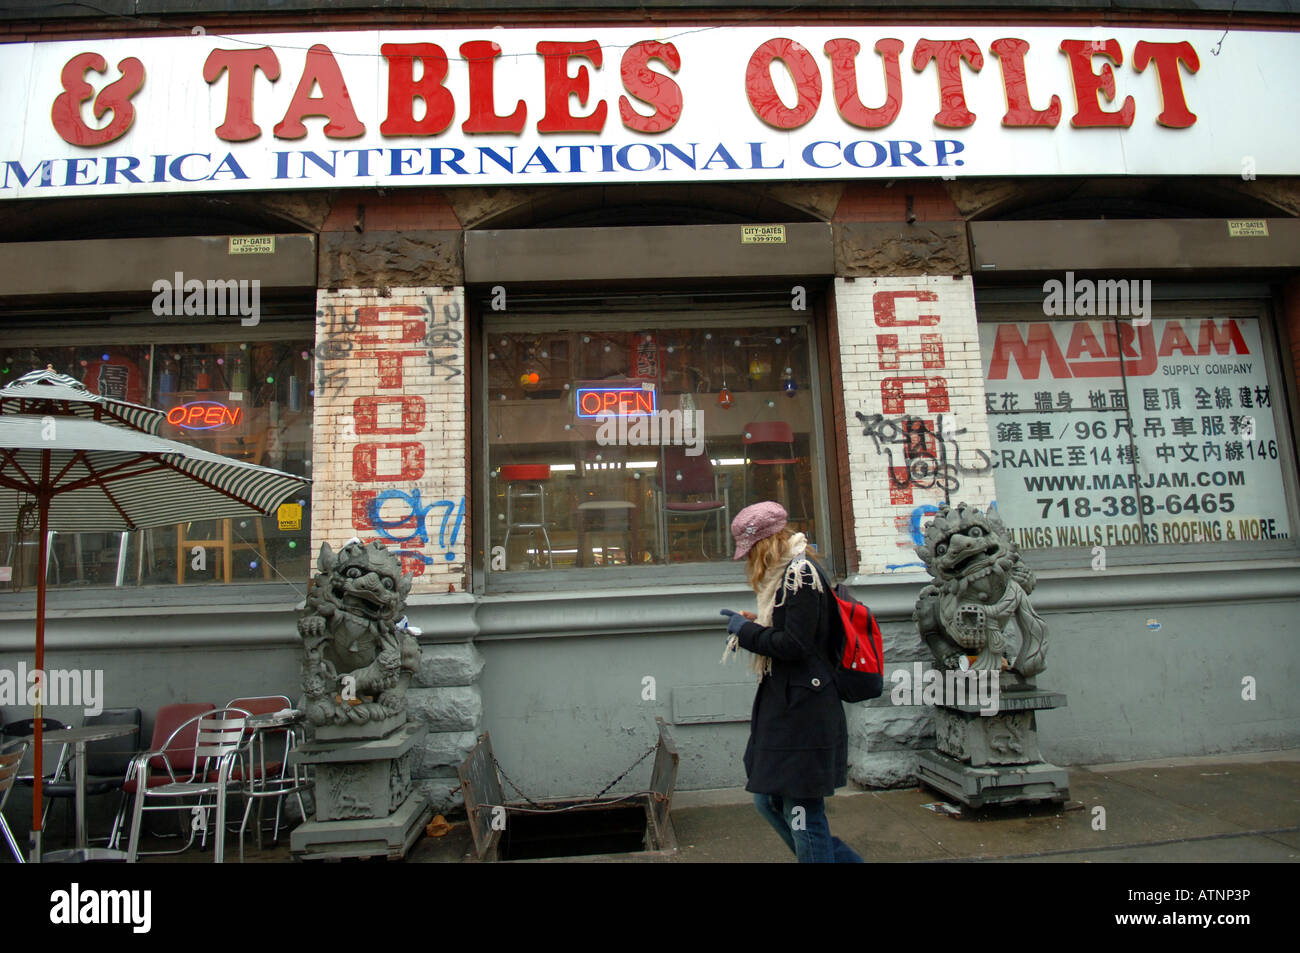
[{"x": 798, "y": 738}]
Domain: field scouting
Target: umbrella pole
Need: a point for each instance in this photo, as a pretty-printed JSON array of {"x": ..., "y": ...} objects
[{"x": 38, "y": 769}]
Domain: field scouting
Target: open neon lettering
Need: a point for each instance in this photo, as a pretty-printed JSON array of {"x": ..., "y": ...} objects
[{"x": 204, "y": 415}]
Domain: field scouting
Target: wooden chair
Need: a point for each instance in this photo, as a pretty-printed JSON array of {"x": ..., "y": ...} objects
[{"x": 251, "y": 449}]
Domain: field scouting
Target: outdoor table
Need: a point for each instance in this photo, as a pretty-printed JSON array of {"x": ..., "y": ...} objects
[{"x": 79, "y": 738}]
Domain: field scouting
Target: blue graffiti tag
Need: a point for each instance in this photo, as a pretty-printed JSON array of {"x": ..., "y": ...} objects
[{"x": 417, "y": 521}]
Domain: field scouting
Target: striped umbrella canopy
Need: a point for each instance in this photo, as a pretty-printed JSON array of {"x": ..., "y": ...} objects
[
  {"x": 72, "y": 471},
  {"x": 49, "y": 393}
]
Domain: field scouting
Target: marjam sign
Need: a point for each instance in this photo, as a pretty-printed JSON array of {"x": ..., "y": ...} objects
[{"x": 497, "y": 107}]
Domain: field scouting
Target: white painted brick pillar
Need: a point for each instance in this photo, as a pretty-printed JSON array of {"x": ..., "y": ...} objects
[{"x": 914, "y": 397}]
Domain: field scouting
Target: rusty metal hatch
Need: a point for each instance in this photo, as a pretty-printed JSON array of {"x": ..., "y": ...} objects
[{"x": 618, "y": 826}]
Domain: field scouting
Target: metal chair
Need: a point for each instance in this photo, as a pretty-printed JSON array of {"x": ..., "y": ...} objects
[
  {"x": 274, "y": 779},
  {"x": 775, "y": 439},
  {"x": 686, "y": 477},
  {"x": 24, "y": 729},
  {"x": 11, "y": 756},
  {"x": 165, "y": 727},
  {"x": 218, "y": 743}
]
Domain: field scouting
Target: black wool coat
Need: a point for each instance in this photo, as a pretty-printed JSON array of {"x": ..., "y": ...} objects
[{"x": 798, "y": 736}]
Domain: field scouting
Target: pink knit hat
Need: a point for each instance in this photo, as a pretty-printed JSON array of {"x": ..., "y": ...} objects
[{"x": 756, "y": 522}]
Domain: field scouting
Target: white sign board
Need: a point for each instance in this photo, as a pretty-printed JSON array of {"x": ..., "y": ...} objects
[
  {"x": 1185, "y": 451},
  {"x": 594, "y": 105}
]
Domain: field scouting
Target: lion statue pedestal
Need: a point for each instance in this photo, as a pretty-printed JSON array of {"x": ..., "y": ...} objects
[
  {"x": 358, "y": 659},
  {"x": 987, "y": 642}
]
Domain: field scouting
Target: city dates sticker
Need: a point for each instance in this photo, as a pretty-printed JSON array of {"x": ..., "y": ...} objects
[
  {"x": 252, "y": 245},
  {"x": 762, "y": 234}
]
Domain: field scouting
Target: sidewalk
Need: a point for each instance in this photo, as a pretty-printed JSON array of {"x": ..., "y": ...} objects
[{"x": 1220, "y": 808}]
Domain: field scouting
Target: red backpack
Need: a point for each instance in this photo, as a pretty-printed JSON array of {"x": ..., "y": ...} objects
[{"x": 860, "y": 665}]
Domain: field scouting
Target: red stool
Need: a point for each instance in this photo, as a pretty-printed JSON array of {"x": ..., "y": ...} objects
[{"x": 527, "y": 481}]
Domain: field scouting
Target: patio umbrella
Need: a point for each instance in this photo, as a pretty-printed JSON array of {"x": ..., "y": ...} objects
[{"x": 84, "y": 467}]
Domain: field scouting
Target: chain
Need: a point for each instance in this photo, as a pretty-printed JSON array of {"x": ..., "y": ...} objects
[
  {"x": 505, "y": 777},
  {"x": 652, "y": 750}
]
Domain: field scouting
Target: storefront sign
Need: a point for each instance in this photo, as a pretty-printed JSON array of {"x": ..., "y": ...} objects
[
  {"x": 626, "y": 401},
  {"x": 1181, "y": 448},
  {"x": 587, "y": 104},
  {"x": 205, "y": 415}
]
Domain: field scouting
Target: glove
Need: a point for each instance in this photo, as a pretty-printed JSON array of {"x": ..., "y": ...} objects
[{"x": 734, "y": 621}]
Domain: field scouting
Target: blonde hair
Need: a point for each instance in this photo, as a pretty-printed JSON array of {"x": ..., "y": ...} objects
[{"x": 764, "y": 553}]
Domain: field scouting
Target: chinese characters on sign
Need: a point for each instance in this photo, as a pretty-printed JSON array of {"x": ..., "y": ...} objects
[{"x": 1177, "y": 446}]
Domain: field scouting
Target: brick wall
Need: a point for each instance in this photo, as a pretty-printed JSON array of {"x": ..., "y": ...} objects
[
  {"x": 390, "y": 446},
  {"x": 914, "y": 398}
]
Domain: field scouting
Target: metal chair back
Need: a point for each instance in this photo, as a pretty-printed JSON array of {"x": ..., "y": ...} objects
[{"x": 11, "y": 756}]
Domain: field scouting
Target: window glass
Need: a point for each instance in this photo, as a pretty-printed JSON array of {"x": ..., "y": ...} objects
[
  {"x": 247, "y": 400},
  {"x": 637, "y": 447},
  {"x": 1178, "y": 446}
]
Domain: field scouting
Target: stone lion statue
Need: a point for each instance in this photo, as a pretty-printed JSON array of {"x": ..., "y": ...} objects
[
  {"x": 358, "y": 654},
  {"x": 979, "y": 601}
]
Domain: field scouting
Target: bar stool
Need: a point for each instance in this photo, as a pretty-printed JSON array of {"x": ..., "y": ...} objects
[{"x": 527, "y": 481}]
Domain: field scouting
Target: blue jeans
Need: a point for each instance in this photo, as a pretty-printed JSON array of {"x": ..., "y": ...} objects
[{"x": 802, "y": 824}]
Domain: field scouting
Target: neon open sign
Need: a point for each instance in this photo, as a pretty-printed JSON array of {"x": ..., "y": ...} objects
[
  {"x": 204, "y": 415},
  {"x": 615, "y": 402}
]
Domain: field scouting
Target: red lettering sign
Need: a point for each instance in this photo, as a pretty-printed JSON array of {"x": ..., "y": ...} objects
[{"x": 114, "y": 98}]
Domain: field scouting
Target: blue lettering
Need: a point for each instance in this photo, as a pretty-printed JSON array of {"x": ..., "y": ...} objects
[
  {"x": 436, "y": 160},
  {"x": 942, "y": 151},
  {"x": 399, "y": 160},
  {"x": 896, "y": 155},
  {"x": 725, "y": 159},
  {"x": 111, "y": 170},
  {"x": 810, "y": 159},
  {"x": 319, "y": 162},
  {"x": 176, "y": 167},
  {"x": 654, "y": 156},
  {"x": 229, "y": 165},
  {"x": 851, "y": 150},
  {"x": 539, "y": 157}
]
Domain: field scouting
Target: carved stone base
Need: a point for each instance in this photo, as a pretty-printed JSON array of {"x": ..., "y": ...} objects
[
  {"x": 389, "y": 837},
  {"x": 367, "y": 729},
  {"x": 363, "y": 796},
  {"x": 1004, "y": 738},
  {"x": 981, "y": 787},
  {"x": 993, "y": 758}
]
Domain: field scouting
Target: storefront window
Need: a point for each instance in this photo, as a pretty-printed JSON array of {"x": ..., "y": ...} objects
[
  {"x": 1179, "y": 445},
  {"x": 636, "y": 447},
  {"x": 246, "y": 399}
]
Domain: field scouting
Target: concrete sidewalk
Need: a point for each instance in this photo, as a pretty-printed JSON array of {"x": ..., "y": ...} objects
[
  {"x": 1242, "y": 808},
  {"x": 1223, "y": 808}
]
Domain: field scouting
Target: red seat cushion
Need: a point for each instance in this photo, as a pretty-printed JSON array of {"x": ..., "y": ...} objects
[{"x": 156, "y": 780}]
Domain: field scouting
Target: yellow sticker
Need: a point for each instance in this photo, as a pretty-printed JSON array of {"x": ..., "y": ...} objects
[
  {"x": 289, "y": 516},
  {"x": 1248, "y": 228},
  {"x": 762, "y": 234},
  {"x": 252, "y": 245}
]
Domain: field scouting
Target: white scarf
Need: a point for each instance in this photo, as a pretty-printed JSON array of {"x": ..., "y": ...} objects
[{"x": 790, "y": 571}]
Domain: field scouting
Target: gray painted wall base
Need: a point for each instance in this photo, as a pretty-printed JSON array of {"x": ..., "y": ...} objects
[
  {"x": 994, "y": 784},
  {"x": 389, "y": 837}
]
